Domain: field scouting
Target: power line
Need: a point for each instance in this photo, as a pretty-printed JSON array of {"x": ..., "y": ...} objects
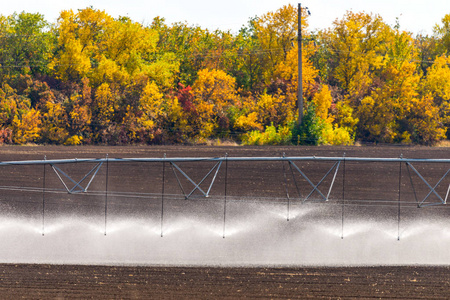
[{"x": 38, "y": 63}]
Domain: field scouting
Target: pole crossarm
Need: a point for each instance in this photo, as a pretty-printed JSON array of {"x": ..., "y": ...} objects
[
  {"x": 316, "y": 186},
  {"x": 432, "y": 188},
  {"x": 77, "y": 188},
  {"x": 216, "y": 167}
]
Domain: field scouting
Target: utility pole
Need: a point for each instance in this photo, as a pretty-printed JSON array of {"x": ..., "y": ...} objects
[{"x": 300, "y": 65}]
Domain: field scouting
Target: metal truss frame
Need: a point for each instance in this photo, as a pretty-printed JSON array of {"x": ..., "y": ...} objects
[
  {"x": 196, "y": 185},
  {"x": 316, "y": 186},
  {"x": 422, "y": 203},
  {"x": 293, "y": 161},
  {"x": 77, "y": 188}
]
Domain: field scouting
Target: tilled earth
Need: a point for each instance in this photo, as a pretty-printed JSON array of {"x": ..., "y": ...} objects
[
  {"x": 380, "y": 181},
  {"x": 102, "y": 282}
]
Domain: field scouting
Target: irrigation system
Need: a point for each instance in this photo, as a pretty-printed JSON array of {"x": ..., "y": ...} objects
[{"x": 314, "y": 190}]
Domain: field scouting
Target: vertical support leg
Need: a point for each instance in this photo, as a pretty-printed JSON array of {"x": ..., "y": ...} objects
[
  {"x": 412, "y": 184},
  {"x": 217, "y": 166},
  {"x": 343, "y": 199},
  {"x": 178, "y": 180},
  {"x": 295, "y": 181},
  {"x": 399, "y": 197},
  {"x": 106, "y": 192},
  {"x": 446, "y": 195},
  {"x": 43, "y": 201},
  {"x": 225, "y": 194},
  {"x": 334, "y": 178},
  {"x": 287, "y": 190},
  {"x": 162, "y": 193}
]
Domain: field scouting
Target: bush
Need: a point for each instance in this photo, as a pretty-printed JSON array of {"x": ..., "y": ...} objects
[
  {"x": 334, "y": 135},
  {"x": 271, "y": 136},
  {"x": 74, "y": 140},
  {"x": 310, "y": 131}
]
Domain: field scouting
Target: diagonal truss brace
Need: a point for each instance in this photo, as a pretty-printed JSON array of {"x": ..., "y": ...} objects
[
  {"x": 216, "y": 167},
  {"x": 432, "y": 189},
  {"x": 315, "y": 187},
  {"x": 77, "y": 188}
]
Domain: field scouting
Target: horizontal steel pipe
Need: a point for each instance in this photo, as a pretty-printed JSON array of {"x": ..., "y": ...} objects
[{"x": 218, "y": 159}]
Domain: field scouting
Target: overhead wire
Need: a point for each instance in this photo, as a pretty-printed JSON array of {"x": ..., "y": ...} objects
[
  {"x": 254, "y": 199},
  {"x": 40, "y": 63}
]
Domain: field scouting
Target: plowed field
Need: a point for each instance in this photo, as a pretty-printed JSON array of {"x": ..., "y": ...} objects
[{"x": 43, "y": 281}]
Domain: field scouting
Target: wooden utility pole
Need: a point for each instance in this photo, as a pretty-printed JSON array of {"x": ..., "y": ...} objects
[{"x": 300, "y": 64}]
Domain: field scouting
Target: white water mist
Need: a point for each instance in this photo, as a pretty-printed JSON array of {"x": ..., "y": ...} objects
[{"x": 255, "y": 235}]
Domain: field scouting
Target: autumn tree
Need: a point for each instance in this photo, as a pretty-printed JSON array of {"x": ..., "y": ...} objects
[
  {"x": 26, "y": 44},
  {"x": 436, "y": 86},
  {"x": 428, "y": 50},
  {"x": 287, "y": 70},
  {"x": 276, "y": 32},
  {"x": 194, "y": 48},
  {"x": 93, "y": 78},
  {"x": 247, "y": 67},
  {"x": 441, "y": 32},
  {"x": 213, "y": 94},
  {"x": 385, "y": 115},
  {"x": 357, "y": 44}
]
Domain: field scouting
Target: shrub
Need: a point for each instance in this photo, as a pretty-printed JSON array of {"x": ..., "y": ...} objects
[
  {"x": 74, "y": 140},
  {"x": 271, "y": 136}
]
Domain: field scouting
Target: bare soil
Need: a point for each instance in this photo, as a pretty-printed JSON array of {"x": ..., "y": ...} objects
[
  {"x": 103, "y": 282},
  {"x": 245, "y": 179}
]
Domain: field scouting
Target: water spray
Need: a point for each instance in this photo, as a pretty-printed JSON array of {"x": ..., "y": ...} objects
[
  {"x": 162, "y": 192},
  {"x": 43, "y": 200},
  {"x": 343, "y": 198},
  {"x": 225, "y": 195},
  {"x": 286, "y": 188},
  {"x": 399, "y": 197},
  {"x": 106, "y": 192},
  {"x": 262, "y": 238}
]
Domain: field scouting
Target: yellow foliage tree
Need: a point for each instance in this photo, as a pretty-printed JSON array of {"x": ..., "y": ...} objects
[
  {"x": 332, "y": 133},
  {"x": 275, "y": 32},
  {"x": 249, "y": 122},
  {"x": 78, "y": 35},
  {"x": 108, "y": 71},
  {"x": 275, "y": 109},
  {"x": 322, "y": 102},
  {"x": 151, "y": 105},
  {"x": 8, "y": 106},
  {"x": 107, "y": 50},
  {"x": 214, "y": 93},
  {"x": 436, "y": 84},
  {"x": 104, "y": 104},
  {"x": 385, "y": 112},
  {"x": 437, "y": 80},
  {"x": 425, "y": 121},
  {"x": 80, "y": 117},
  {"x": 54, "y": 123},
  {"x": 358, "y": 44},
  {"x": 287, "y": 69},
  {"x": 27, "y": 127},
  {"x": 345, "y": 117}
]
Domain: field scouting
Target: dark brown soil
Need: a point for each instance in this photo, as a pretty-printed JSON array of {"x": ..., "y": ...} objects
[
  {"x": 245, "y": 179},
  {"x": 102, "y": 282}
]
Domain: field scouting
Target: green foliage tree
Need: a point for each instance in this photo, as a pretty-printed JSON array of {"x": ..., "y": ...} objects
[{"x": 26, "y": 44}]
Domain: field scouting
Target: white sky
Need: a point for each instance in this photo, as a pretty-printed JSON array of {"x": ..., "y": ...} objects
[{"x": 416, "y": 16}]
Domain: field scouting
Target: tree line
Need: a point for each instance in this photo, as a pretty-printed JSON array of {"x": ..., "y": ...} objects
[{"x": 94, "y": 79}]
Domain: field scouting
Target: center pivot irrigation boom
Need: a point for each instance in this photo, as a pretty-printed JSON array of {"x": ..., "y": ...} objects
[{"x": 295, "y": 163}]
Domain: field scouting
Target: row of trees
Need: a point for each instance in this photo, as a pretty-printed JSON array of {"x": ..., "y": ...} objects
[{"x": 91, "y": 78}]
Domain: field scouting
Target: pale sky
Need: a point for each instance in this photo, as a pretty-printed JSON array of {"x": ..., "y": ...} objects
[{"x": 416, "y": 16}]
